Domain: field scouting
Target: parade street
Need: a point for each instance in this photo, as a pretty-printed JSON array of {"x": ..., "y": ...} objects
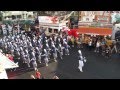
[{"x": 96, "y": 67}]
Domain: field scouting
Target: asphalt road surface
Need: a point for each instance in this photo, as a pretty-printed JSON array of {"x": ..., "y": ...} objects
[{"x": 96, "y": 67}]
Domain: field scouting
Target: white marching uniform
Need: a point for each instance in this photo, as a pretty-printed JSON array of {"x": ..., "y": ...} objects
[
  {"x": 60, "y": 50},
  {"x": 81, "y": 64},
  {"x": 66, "y": 47},
  {"x": 34, "y": 63},
  {"x": 46, "y": 57},
  {"x": 38, "y": 54},
  {"x": 81, "y": 60},
  {"x": 54, "y": 50},
  {"x": 27, "y": 60}
]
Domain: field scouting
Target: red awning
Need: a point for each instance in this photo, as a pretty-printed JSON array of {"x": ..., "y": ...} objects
[{"x": 91, "y": 30}]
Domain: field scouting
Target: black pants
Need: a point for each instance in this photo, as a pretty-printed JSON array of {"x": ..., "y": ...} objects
[
  {"x": 90, "y": 48},
  {"x": 107, "y": 55}
]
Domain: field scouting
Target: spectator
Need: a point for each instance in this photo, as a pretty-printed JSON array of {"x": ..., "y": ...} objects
[
  {"x": 107, "y": 52},
  {"x": 90, "y": 45},
  {"x": 10, "y": 57},
  {"x": 37, "y": 74},
  {"x": 72, "y": 40},
  {"x": 97, "y": 46}
]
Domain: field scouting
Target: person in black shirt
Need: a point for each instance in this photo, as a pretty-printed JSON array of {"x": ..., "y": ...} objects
[{"x": 107, "y": 52}]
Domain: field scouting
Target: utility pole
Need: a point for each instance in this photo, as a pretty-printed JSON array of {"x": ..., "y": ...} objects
[
  {"x": 1, "y": 15},
  {"x": 78, "y": 19}
]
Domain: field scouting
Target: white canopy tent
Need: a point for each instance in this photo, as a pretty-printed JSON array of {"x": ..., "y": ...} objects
[{"x": 5, "y": 63}]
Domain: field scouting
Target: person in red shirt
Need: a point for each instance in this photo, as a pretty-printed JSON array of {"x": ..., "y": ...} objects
[
  {"x": 10, "y": 57},
  {"x": 37, "y": 74}
]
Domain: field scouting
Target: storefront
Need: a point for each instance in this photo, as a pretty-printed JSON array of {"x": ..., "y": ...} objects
[{"x": 95, "y": 30}]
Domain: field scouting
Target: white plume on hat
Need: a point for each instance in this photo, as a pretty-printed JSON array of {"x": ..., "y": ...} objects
[
  {"x": 44, "y": 50},
  {"x": 79, "y": 51},
  {"x": 47, "y": 45},
  {"x": 60, "y": 45}
]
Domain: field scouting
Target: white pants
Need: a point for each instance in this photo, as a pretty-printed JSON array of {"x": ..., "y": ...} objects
[
  {"x": 28, "y": 62},
  {"x": 61, "y": 54},
  {"x": 55, "y": 55},
  {"x": 34, "y": 65},
  {"x": 46, "y": 61},
  {"x": 66, "y": 51},
  {"x": 81, "y": 64},
  {"x": 39, "y": 58},
  {"x": 114, "y": 48}
]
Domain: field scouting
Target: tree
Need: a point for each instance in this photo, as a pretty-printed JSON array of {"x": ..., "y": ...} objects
[{"x": 117, "y": 17}]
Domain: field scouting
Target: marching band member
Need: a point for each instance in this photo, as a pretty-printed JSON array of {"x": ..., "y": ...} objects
[
  {"x": 64, "y": 40},
  {"x": 81, "y": 60},
  {"x": 81, "y": 63},
  {"x": 17, "y": 53},
  {"x": 50, "y": 42},
  {"x": 48, "y": 50},
  {"x": 33, "y": 42},
  {"x": 38, "y": 54},
  {"x": 66, "y": 47},
  {"x": 55, "y": 39},
  {"x": 12, "y": 50},
  {"x": 54, "y": 51},
  {"x": 34, "y": 63},
  {"x": 22, "y": 56},
  {"x": 33, "y": 59},
  {"x": 60, "y": 50},
  {"x": 58, "y": 41},
  {"x": 45, "y": 57},
  {"x": 27, "y": 60},
  {"x": 5, "y": 47},
  {"x": 46, "y": 41}
]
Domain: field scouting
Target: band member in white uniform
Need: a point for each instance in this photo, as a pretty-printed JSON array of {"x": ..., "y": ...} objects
[
  {"x": 27, "y": 60},
  {"x": 54, "y": 51},
  {"x": 45, "y": 57},
  {"x": 48, "y": 50},
  {"x": 66, "y": 47},
  {"x": 60, "y": 51},
  {"x": 38, "y": 54},
  {"x": 33, "y": 59},
  {"x": 81, "y": 61}
]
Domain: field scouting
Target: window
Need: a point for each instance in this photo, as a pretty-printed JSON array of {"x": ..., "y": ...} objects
[
  {"x": 19, "y": 16},
  {"x": 50, "y": 30},
  {"x": 13, "y": 17},
  {"x": 29, "y": 16},
  {"x": 87, "y": 19},
  {"x": 55, "y": 30},
  {"x": 8, "y": 16}
]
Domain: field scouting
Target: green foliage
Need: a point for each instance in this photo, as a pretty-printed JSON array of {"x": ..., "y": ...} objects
[
  {"x": 7, "y": 22},
  {"x": 117, "y": 17},
  {"x": 118, "y": 20}
]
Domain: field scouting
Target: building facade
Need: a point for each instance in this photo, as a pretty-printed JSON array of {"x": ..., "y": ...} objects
[
  {"x": 17, "y": 15},
  {"x": 100, "y": 16}
]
